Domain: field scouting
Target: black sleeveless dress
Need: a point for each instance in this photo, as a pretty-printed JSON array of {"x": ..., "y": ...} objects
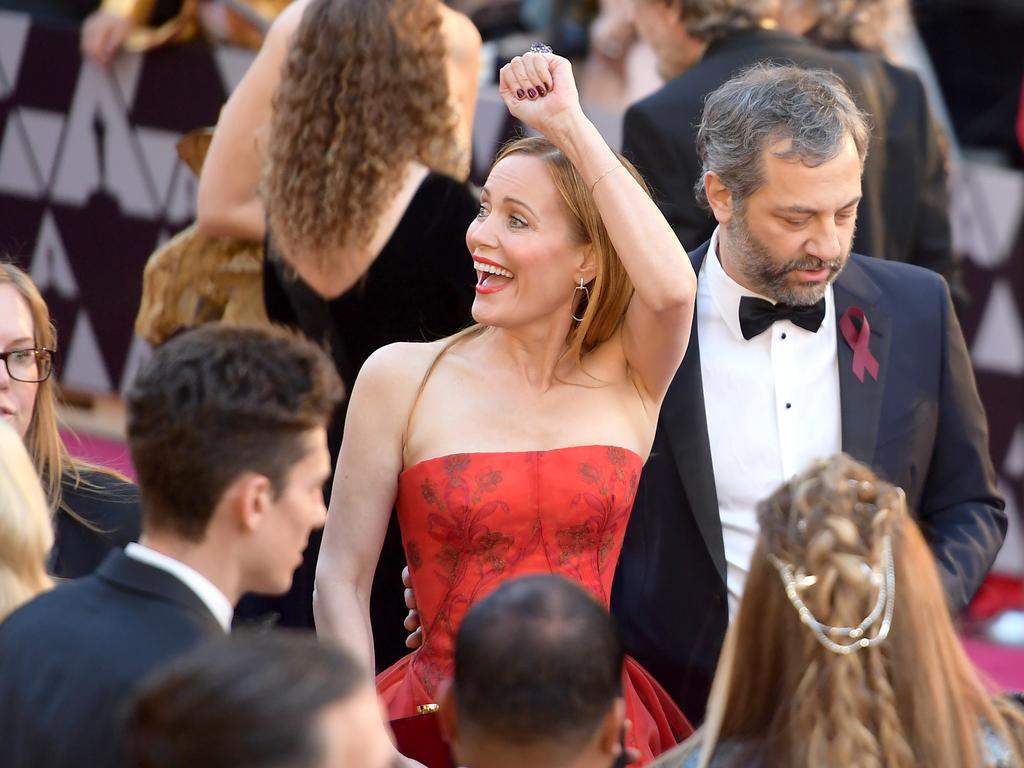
[{"x": 419, "y": 288}]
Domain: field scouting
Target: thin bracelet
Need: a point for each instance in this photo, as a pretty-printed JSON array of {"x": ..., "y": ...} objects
[{"x": 594, "y": 185}]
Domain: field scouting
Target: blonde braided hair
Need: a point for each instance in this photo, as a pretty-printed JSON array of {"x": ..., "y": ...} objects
[{"x": 913, "y": 699}]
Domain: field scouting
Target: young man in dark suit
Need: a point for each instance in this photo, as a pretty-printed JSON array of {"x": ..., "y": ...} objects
[
  {"x": 799, "y": 349},
  {"x": 227, "y": 428},
  {"x": 699, "y": 44}
]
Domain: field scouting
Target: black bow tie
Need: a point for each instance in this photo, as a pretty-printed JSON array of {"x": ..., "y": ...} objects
[{"x": 757, "y": 315}]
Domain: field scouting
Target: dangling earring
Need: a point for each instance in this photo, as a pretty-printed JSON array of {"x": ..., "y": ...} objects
[{"x": 586, "y": 298}]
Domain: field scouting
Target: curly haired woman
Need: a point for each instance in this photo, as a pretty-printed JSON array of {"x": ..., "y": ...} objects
[
  {"x": 355, "y": 208},
  {"x": 843, "y": 651},
  {"x": 229, "y": 202}
]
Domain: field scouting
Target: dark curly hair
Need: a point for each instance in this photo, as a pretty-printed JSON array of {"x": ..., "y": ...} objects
[{"x": 363, "y": 93}]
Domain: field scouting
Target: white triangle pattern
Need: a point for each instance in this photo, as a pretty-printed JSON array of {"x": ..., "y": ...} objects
[
  {"x": 78, "y": 175},
  {"x": 17, "y": 175},
  {"x": 126, "y": 69},
  {"x": 1013, "y": 464},
  {"x": 139, "y": 352},
  {"x": 44, "y": 130},
  {"x": 50, "y": 267},
  {"x": 1010, "y": 560},
  {"x": 85, "y": 368},
  {"x": 13, "y": 35},
  {"x": 999, "y": 343}
]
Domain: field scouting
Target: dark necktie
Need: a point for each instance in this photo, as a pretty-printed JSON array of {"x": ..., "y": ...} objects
[{"x": 757, "y": 315}]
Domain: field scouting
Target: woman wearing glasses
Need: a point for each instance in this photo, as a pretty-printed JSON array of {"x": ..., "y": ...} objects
[{"x": 94, "y": 509}]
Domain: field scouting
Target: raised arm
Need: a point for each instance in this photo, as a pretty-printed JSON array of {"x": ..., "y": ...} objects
[
  {"x": 365, "y": 485},
  {"x": 657, "y": 325},
  {"x": 229, "y": 202}
]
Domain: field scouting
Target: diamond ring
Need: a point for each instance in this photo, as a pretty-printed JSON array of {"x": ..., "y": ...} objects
[{"x": 540, "y": 48}]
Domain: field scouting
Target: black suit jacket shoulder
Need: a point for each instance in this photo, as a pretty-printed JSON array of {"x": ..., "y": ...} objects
[
  {"x": 105, "y": 514},
  {"x": 70, "y": 659}
]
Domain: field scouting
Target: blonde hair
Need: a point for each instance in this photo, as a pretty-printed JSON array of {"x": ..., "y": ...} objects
[
  {"x": 913, "y": 699},
  {"x": 42, "y": 439},
  {"x": 26, "y": 534}
]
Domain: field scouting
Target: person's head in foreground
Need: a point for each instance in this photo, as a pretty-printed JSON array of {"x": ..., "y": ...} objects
[
  {"x": 227, "y": 429},
  {"x": 26, "y": 533},
  {"x": 271, "y": 701},
  {"x": 843, "y": 651},
  {"x": 782, "y": 150},
  {"x": 538, "y": 679}
]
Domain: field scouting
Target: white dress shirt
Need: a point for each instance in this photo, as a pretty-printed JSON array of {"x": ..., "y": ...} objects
[
  {"x": 205, "y": 590},
  {"x": 772, "y": 406}
]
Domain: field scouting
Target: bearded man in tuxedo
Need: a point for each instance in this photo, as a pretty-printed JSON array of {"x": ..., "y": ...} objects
[{"x": 799, "y": 349}]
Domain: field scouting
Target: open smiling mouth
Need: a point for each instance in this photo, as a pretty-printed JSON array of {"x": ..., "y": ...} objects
[{"x": 491, "y": 278}]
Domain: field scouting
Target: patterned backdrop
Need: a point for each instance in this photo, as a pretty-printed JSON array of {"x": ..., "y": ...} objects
[{"x": 90, "y": 184}]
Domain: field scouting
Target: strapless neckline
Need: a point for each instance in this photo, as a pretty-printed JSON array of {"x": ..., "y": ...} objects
[{"x": 562, "y": 449}]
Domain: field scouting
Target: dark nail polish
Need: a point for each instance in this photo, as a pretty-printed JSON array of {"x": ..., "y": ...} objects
[
  {"x": 533, "y": 93},
  {"x": 540, "y": 90},
  {"x": 520, "y": 94}
]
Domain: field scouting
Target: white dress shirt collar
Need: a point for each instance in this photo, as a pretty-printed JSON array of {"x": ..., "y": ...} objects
[{"x": 205, "y": 589}]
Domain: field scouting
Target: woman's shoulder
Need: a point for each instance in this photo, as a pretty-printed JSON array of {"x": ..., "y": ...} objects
[
  {"x": 462, "y": 38},
  {"x": 398, "y": 366}
]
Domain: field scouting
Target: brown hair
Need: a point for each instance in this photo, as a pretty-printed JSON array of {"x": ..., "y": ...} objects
[
  {"x": 219, "y": 401},
  {"x": 26, "y": 533},
  {"x": 712, "y": 19},
  {"x": 363, "y": 93},
  {"x": 912, "y": 699},
  {"x": 248, "y": 700},
  {"x": 50, "y": 457}
]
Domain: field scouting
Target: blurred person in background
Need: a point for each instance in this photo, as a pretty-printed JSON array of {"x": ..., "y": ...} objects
[
  {"x": 270, "y": 701},
  {"x": 700, "y": 44},
  {"x": 538, "y": 680},
  {"x": 843, "y": 651},
  {"x": 26, "y": 533},
  {"x": 94, "y": 509},
  {"x": 230, "y": 203},
  {"x": 366, "y": 238},
  {"x": 912, "y": 192},
  {"x": 227, "y": 429}
]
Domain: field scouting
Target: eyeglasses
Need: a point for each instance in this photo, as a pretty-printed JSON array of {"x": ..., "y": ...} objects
[{"x": 31, "y": 365}]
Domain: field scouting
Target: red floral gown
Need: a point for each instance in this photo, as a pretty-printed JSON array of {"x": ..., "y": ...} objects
[{"x": 472, "y": 521}]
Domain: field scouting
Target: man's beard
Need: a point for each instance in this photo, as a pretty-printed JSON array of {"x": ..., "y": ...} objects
[{"x": 754, "y": 260}]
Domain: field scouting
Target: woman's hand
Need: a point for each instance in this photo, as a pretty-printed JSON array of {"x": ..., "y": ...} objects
[{"x": 539, "y": 91}]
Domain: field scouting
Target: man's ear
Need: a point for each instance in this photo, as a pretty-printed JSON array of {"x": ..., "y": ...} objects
[
  {"x": 719, "y": 198},
  {"x": 612, "y": 731},
  {"x": 250, "y": 496}
]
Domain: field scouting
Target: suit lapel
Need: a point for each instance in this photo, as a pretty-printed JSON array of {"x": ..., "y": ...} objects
[
  {"x": 687, "y": 433},
  {"x": 861, "y": 402}
]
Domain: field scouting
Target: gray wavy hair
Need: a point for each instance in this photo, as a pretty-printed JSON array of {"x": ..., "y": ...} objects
[
  {"x": 768, "y": 103},
  {"x": 708, "y": 19}
]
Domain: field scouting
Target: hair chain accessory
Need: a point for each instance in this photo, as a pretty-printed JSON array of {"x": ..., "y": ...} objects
[
  {"x": 586, "y": 297},
  {"x": 857, "y": 635}
]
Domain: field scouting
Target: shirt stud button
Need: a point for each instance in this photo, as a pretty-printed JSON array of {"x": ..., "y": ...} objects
[
  {"x": 783, "y": 334},
  {"x": 789, "y": 405}
]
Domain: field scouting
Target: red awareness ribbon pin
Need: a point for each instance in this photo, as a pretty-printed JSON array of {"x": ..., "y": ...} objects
[{"x": 863, "y": 360}]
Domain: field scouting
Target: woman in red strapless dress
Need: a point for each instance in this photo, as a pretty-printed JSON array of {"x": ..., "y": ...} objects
[{"x": 516, "y": 446}]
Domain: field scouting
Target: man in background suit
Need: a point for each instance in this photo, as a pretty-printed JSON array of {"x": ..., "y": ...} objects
[
  {"x": 227, "y": 428},
  {"x": 799, "y": 349},
  {"x": 699, "y": 44}
]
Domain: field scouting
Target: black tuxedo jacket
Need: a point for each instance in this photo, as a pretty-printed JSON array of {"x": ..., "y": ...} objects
[
  {"x": 920, "y": 425},
  {"x": 903, "y": 215},
  {"x": 71, "y": 658}
]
